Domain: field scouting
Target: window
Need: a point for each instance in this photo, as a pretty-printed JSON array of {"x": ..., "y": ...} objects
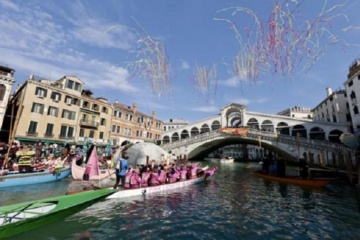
[
  {"x": 104, "y": 110},
  {"x": 95, "y": 107},
  {"x": 66, "y": 132},
  {"x": 77, "y": 87},
  {"x": 56, "y": 97},
  {"x": 356, "y": 110},
  {"x": 53, "y": 111},
  {"x": 82, "y": 133},
  {"x": 101, "y": 135},
  {"x": 115, "y": 113},
  {"x": 40, "y": 92},
  {"x": 49, "y": 129},
  {"x": 32, "y": 127},
  {"x": 37, "y": 108},
  {"x": 70, "y": 84},
  {"x": 2, "y": 92},
  {"x": 91, "y": 134},
  {"x": 350, "y": 83},
  {"x": 117, "y": 129},
  {"x": 102, "y": 121},
  {"x": 84, "y": 117},
  {"x": 113, "y": 128},
  {"x": 85, "y": 104},
  {"x": 68, "y": 114},
  {"x": 68, "y": 100},
  {"x": 114, "y": 142}
]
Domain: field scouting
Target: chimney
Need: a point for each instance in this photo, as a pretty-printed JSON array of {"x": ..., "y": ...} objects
[
  {"x": 328, "y": 91},
  {"x": 153, "y": 116},
  {"x": 134, "y": 107}
]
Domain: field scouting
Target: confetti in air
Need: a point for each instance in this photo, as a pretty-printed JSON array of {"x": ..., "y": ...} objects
[
  {"x": 205, "y": 81},
  {"x": 152, "y": 63},
  {"x": 286, "y": 43}
]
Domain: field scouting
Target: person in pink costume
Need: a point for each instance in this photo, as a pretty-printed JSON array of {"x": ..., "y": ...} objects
[
  {"x": 174, "y": 174},
  {"x": 135, "y": 180},
  {"x": 127, "y": 178},
  {"x": 145, "y": 177},
  {"x": 183, "y": 173},
  {"x": 162, "y": 176},
  {"x": 210, "y": 172},
  {"x": 154, "y": 178}
]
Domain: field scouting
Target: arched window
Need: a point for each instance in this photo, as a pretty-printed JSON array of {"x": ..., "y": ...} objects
[{"x": 2, "y": 92}]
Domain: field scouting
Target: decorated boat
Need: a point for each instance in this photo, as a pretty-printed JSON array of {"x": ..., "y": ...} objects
[
  {"x": 21, "y": 217},
  {"x": 77, "y": 173},
  {"x": 311, "y": 182},
  {"x": 124, "y": 193},
  {"x": 11, "y": 179}
]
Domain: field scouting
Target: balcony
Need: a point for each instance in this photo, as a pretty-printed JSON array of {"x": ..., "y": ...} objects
[
  {"x": 31, "y": 134},
  {"x": 90, "y": 124},
  {"x": 66, "y": 137}
]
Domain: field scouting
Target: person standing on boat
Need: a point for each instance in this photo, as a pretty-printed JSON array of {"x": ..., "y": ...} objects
[
  {"x": 304, "y": 167},
  {"x": 121, "y": 166}
]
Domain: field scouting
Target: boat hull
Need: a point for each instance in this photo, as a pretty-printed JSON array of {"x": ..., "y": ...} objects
[
  {"x": 295, "y": 180},
  {"x": 65, "y": 206},
  {"x": 154, "y": 189},
  {"x": 77, "y": 173},
  {"x": 18, "y": 179}
]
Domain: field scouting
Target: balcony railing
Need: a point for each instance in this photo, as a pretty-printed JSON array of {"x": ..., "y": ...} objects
[
  {"x": 89, "y": 123},
  {"x": 31, "y": 134}
]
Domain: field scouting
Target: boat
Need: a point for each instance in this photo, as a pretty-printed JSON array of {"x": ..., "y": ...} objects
[
  {"x": 312, "y": 182},
  {"x": 12, "y": 179},
  {"x": 22, "y": 217},
  {"x": 124, "y": 193},
  {"x": 227, "y": 160},
  {"x": 77, "y": 173}
]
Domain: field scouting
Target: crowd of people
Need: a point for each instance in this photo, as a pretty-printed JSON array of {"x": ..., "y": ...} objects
[{"x": 156, "y": 174}]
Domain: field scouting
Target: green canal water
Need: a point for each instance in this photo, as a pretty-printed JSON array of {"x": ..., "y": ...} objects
[{"x": 232, "y": 204}]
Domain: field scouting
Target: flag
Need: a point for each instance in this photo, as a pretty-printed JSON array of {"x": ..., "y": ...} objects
[{"x": 92, "y": 166}]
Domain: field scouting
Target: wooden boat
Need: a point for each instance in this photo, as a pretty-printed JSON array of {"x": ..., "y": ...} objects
[
  {"x": 21, "y": 217},
  {"x": 17, "y": 179},
  {"x": 316, "y": 182},
  {"x": 124, "y": 193},
  {"x": 77, "y": 173},
  {"x": 227, "y": 160}
]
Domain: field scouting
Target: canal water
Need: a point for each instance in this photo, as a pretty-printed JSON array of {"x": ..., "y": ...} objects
[{"x": 232, "y": 204}]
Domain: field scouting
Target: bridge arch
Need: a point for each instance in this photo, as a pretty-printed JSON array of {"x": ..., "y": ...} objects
[
  {"x": 283, "y": 128},
  {"x": 175, "y": 137},
  {"x": 184, "y": 134},
  {"x": 299, "y": 129},
  {"x": 317, "y": 133},
  {"x": 334, "y": 136},
  {"x": 166, "y": 140},
  {"x": 194, "y": 131},
  {"x": 215, "y": 125},
  {"x": 233, "y": 116},
  {"x": 204, "y": 128},
  {"x": 253, "y": 123},
  {"x": 267, "y": 126}
]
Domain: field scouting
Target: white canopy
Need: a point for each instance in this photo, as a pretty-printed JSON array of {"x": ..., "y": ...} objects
[{"x": 137, "y": 153}]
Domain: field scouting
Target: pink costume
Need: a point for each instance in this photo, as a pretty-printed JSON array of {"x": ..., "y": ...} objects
[
  {"x": 135, "y": 180},
  {"x": 145, "y": 179},
  {"x": 193, "y": 171},
  {"x": 127, "y": 179},
  {"x": 154, "y": 179},
  {"x": 210, "y": 172},
  {"x": 173, "y": 177},
  {"x": 183, "y": 173},
  {"x": 162, "y": 177}
]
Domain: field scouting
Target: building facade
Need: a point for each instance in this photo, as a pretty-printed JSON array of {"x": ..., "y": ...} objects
[
  {"x": 174, "y": 123},
  {"x": 6, "y": 82},
  {"x": 297, "y": 112},
  {"x": 53, "y": 112},
  {"x": 352, "y": 87},
  {"x": 334, "y": 108},
  {"x": 130, "y": 125}
]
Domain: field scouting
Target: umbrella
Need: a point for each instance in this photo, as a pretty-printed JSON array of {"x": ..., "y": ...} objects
[
  {"x": 137, "y": 153},
  {"x": 349, "y": 140}
]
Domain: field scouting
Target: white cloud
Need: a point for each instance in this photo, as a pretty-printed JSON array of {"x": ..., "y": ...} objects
[
  {"x": 205, "y": 109},
  {"x": 9, "y": 5},
  {"x": 184, "y": 65}
]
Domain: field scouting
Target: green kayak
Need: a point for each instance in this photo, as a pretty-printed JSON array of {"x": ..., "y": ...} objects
[{"x": 21, "y": 217}]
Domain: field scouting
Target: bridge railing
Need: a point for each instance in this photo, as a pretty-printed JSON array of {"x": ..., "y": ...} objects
[{"x": 255, "y": 134}]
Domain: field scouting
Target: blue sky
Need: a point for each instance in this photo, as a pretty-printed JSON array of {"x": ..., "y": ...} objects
[{"x": 98, "y": 41}]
